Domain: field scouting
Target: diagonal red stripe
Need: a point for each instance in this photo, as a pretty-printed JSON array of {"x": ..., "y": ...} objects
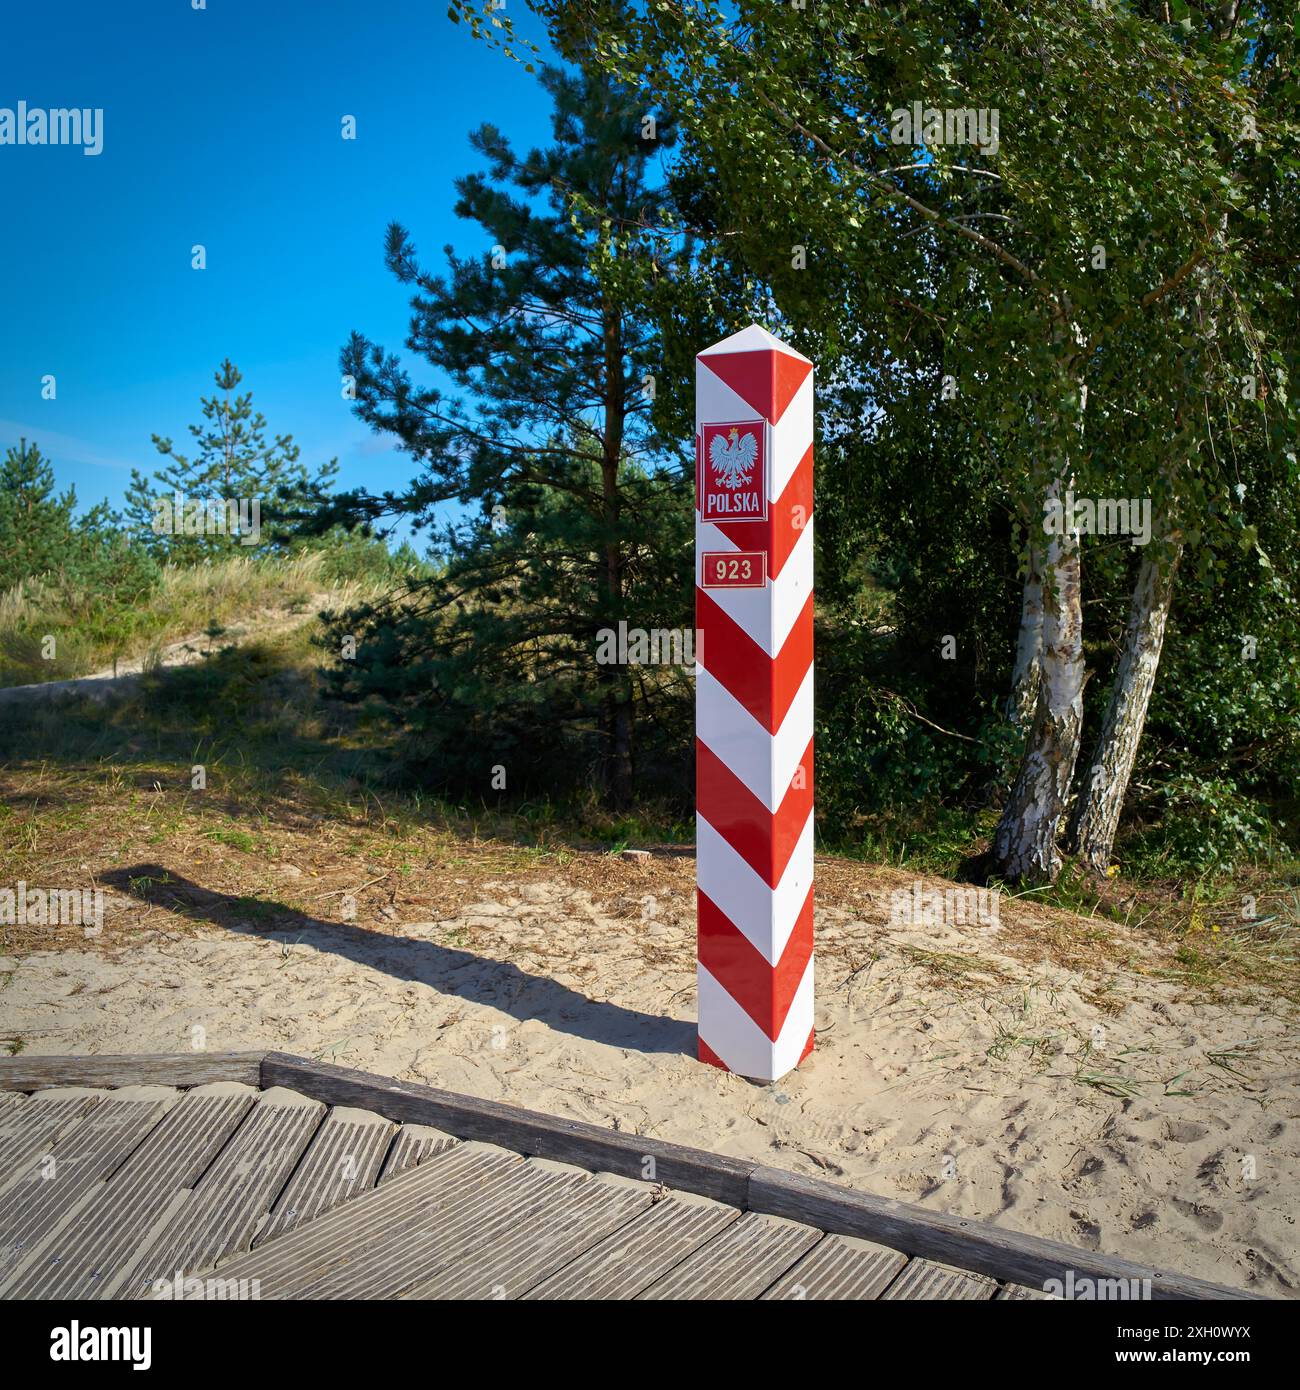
[
  {"x": 766, "y": 686},
  {"x": 764, "y": 839},
  {"x": 766, "y": 380},
  {"x": 787, "y": 519},
  {"x": 764, "y": 991},
  {"x": 708, "y": 1055}
]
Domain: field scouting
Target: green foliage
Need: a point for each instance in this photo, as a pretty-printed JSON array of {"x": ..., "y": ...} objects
[
  {"x": 233, "y": 687},
  {"x": 234, "y": 463},
  {"x": 93, "y": 630},
  {"x": 85, "y": 566},
  {"x": 1218, "y": 778},
  {"x": 354, "y": 557},
  {"x": 1121, "y": 129},
  {"x": 492, "y": 661},
  {"x": 925, "y": 261},
  {"x": 578, "y": 517},
  {"x": 37, "y": 530},
  {"x": 1205, "y": 824}
]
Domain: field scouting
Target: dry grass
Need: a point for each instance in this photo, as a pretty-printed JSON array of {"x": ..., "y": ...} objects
[
  {"x": 242, "y": 592},
  {"x": 293, "y": 846},
  {"x": 295, "y": 816}
]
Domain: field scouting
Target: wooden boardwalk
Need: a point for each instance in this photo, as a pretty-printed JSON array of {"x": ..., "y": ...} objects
[{"x": 266, "y": 1176}]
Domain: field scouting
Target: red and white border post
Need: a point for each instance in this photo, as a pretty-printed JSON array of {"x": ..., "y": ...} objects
[{"x": 754, "y": 704}]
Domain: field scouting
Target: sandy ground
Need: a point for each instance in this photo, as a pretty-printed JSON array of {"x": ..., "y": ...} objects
[{"x": 955, "y": 1066}]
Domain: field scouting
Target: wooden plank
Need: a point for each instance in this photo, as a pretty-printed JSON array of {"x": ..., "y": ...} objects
[
  {"x": 223, "y": 1211},
  {"x": 284, "y": 1267},
  {"x": 86, "y": 1256},
  {"x": 343, "y": 1159},
  {"x": 632, "y": 1258},
  {"x": 36, "y": 1127},
  {"x": 55, "y": 1183},
  {"x": 923, "y": 1279},
  {"x": 973, "y": 1245},
  {"x": 12, "y": 1105},
  {"x": 525, "y": 1250},
  {"x": 1008, "y": 1256},
  {"x": 526, "y": 1131},
  {"x": 842, "y": 1269},
  {"x": 1018, "y": 1292},
  {"x": 441, "y": 1238},
  {"x": 27, "y": 1073},
  {"x": 414, "y": 1144},
  {"x": 739, "y": 1263}
]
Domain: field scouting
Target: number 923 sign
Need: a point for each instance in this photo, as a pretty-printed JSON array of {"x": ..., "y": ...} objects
[{"x": 733, "y": 569}]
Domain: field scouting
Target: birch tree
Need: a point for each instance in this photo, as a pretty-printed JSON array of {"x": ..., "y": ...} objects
[
  {"x": 1231, "y": 398},
  {"x": 1092, "y": 207}
]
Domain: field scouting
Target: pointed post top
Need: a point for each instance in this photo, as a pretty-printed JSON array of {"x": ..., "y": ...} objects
[
  {"x": 753, "y": 339},
  {"x": 759, "y": 368}
]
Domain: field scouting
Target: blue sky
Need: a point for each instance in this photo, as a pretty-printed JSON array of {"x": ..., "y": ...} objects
[{"x": 223, "y": 127}]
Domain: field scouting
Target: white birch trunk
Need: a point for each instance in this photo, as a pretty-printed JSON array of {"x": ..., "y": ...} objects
[
  {"x": 1024, "y": 845},
  {"x": 1027, "y": 673},
  {"x": 1101, "y": 798}
]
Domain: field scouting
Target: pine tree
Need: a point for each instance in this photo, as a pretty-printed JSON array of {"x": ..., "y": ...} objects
[
  {"x": 86, "y": 564},
  {"x": 174, "y": 514},
  {"x": 36, "y": 526},
  {"x": 577, "y": 519}
]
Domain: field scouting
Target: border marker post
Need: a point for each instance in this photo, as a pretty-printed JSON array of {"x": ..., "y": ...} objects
[{"x": 754, "y": 704}]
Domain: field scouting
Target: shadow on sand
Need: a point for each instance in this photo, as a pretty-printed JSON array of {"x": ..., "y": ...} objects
[{"x": 448, "y": 970}]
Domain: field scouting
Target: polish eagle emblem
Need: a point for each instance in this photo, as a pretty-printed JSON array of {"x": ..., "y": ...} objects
[{"x": 733, "y": 457}]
